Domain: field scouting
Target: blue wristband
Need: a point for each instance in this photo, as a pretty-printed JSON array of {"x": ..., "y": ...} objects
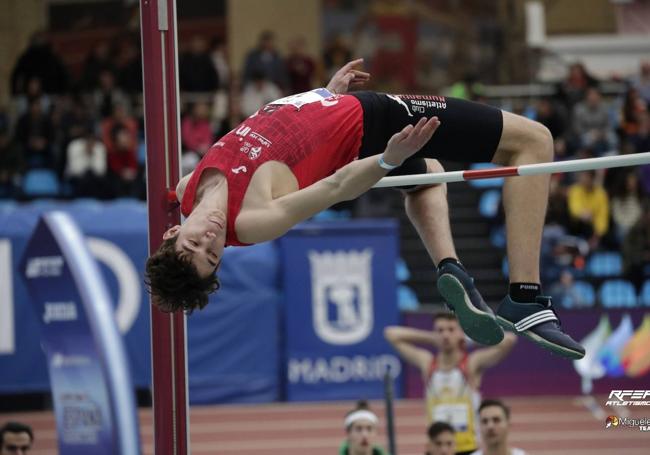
[{"x": 384, "y": 165}]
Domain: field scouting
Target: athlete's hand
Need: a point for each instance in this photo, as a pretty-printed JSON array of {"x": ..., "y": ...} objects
[
  {"x": 411, "y": 139},
  {"x": 348, "y": 77}
]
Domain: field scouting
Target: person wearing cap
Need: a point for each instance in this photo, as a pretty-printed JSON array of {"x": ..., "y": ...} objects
[{"x": 361, "y": 429}]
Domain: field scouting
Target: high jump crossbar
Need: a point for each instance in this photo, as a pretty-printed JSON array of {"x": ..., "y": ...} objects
[{"x": 585, "y": 164}]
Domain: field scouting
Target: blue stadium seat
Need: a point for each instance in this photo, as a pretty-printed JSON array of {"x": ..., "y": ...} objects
[
  {"x": 644, "y": 297},
  {"x": 605, "y": 263},
  {"x": 406, "y": 298},
  {"x": 40, "y": 183},
  {"x": 586, "y": 292},
  {"x": 617, "y": 294},
  {"x": 488, "y": 205},
  {"x": 485, "y": 183},
  {"x": 402, "y": 272}
]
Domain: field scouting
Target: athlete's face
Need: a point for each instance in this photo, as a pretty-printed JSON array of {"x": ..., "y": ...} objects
[
  {"x": 361, "y": 437},
  {"x": 494, "y": 425},
  {"x": 201, "y": 239},
  {"x": 448, "y": 334},
  {"x": 443, "y": 444}
]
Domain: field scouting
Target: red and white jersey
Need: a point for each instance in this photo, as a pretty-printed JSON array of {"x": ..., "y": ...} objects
[{"x": 313, "y": 133}]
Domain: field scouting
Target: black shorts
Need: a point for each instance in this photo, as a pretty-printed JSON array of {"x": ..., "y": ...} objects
[{"x": 469, "y": 132}]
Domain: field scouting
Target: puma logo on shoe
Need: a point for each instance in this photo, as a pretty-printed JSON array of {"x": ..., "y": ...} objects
[{"x": 237, "y": 170}]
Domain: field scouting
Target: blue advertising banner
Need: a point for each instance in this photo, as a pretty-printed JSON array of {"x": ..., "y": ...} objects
[
  {"x": 233, "y": 343},
  {"x": 91, "y": 385},
  {"x": 340, "y": 292}
]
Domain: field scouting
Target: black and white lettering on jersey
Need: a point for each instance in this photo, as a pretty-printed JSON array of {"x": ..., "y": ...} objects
[{"x": 251, "y": 141}]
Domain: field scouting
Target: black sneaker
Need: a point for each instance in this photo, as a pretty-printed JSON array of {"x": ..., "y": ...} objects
[
  {"x": 462, "y": 297},
  {"x": 538, "y": 322}
]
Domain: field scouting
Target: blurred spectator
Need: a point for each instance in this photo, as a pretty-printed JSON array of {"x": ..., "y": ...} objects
[
  {"x": 123, "y": 162},
  {"x": 558, "y": 207},
  {"x": 120, "y": 136},
  {"x": 107, "y": 95},
  {"x": 441, "y": 439},
  {"x": 128, "y": 62},
  {"x": 39, "y": 61},
  {"x": 258, "y": 92},
  {"x": 574, "y": 87},
  {"x": 494, "y": 421},
  {"x": 75, "y": 121},
  {"x": 626, "y": 203},
  {"x": 640, "y": 141},
  {"x": 565, "y": 293},
  {"x": 120, "y": 117},
  {"x": 636, "y": 249},
  {"x": 560, "y": 250},
  {"x": 265, "y": 60},
  {"x": 642, "y": 81},
  {"x": 551, "y": 116},
  {"x": 469, "y": 88},
  {"x": 10, "y": 158},
  {"x": 588, "y": 208},
  {"x": 86, "y": 166},
  {"x": 591, "y": 123},
  {"x": 196, "y": 70},
  {"x": 16, "y": 438},
  {"x": 34, "y": 134},
  {"x": 196, "y": 130},
  {"x": 560, "y": 149},
  {"x": 219, "y": 56},
  {"x": 301, "y": 67},
  {"x": 98, "y": 60},
  {"x": 361, "y": 428},
  {"x": 632, "y": 112},
  {"x": 336, "y": 54},
  {"x": 33, "y": 91}
]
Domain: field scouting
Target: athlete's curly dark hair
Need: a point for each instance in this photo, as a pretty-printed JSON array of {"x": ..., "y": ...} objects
[{"x": 174, "y": 283}]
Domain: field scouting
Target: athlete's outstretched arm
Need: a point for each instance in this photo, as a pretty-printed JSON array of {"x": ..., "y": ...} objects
[
  {"x": 404, "y": 340},
  {"x": 349, "y": 182},
  {"x": 482, "y": 359}
]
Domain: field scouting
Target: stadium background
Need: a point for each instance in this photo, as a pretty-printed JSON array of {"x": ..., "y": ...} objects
[{"x": 488, "y": 51}]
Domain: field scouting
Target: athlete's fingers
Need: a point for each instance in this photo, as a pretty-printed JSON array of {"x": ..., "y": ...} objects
[
  {"x": 402, "y": 135},
  {"x": 348, "y": 66},
  {"x": 361, "y": 75},
  {"x": 427, "y": 130}
]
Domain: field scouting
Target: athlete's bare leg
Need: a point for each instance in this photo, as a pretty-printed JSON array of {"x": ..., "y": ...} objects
[
  {"x": 428, "y": 211},
  {"x": 524, "y": 198}
]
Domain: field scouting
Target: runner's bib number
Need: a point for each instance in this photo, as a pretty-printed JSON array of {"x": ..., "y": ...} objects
[
  {"x": 300, "y": 99},
  {"x": 454, "y": 414}
]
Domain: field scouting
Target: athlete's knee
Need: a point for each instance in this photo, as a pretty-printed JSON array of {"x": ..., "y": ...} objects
[
  {"x": 524, "y": 141},
  {"x": 544, "y": 142},
  {"x": 433, "y": 167}
]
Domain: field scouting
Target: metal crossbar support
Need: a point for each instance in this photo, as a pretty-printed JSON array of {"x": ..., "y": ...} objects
[
  {"x": 586, "y": 164},
  {"x": 161, "y": 113}
]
